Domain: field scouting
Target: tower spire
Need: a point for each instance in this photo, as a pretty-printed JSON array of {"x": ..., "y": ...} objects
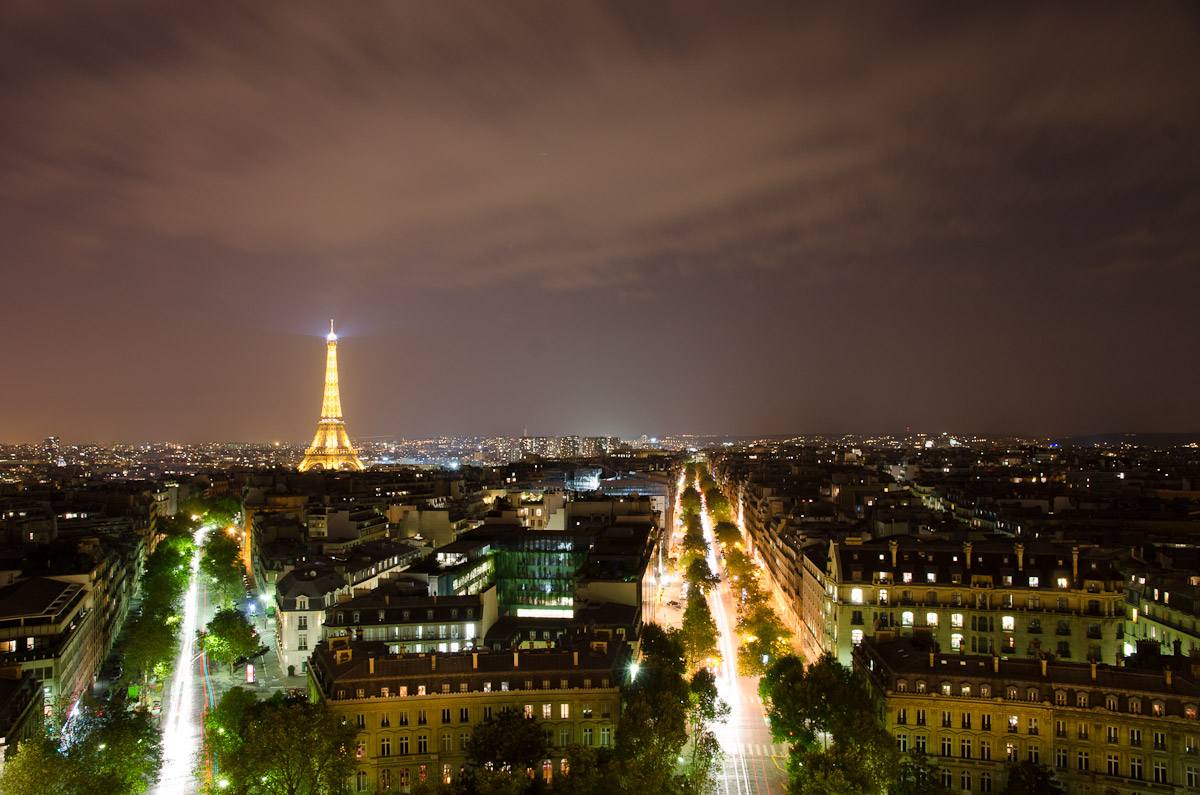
[{"x": 331, "y": 448}]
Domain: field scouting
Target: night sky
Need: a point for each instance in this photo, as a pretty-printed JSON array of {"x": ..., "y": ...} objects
[{"x": 618, "y": 218}]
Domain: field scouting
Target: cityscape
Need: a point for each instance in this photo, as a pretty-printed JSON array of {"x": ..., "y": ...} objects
[{"x": 758, "y": 401}]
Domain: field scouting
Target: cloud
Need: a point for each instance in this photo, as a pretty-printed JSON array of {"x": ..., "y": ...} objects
[{"x": 297, "y": 154}]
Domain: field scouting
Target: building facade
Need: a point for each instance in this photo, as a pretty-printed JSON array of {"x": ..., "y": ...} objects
[
  {"x": 1103, "y": 729},
  {"x": 982, "y": 597},
  {"x": 416, "y": 712}
]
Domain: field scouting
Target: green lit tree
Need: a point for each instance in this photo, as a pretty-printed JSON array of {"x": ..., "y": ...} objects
[
  {"x": 281, "y": 746},
  {"x": 37, "y": 767},
  {"x": 222, "y": 566},
  {"x": 110, "y": 752},
  {"x": 230, "y": 636},
  {"x": 838, "y": 742},
  {"x": 698, "y": 631}
]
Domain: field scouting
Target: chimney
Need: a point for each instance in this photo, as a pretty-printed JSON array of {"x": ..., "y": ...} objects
[
  {"x": 1020, "y": 557},
  {"x": 1043, "y": 666},
  {"x": 433, "y": 661},
  {"x": 575, "y": 658},
  {"x": 1074, "y": 564},
  {"x": 1093, "y": 670},
  {"x": 967, "y": 547},
  {"x": 894, "y": 546},
  {"x": 474, "y": 659},
  {"x": 516, "y": 659},
  {"x": 1167, "y": 676},
  {"x": 930, "y": 659},
  {"x": 995, "y": 663},
  {"x": 371, "y": 665}
]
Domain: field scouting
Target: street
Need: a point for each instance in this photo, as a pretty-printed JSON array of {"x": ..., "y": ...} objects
[{"x": 754, "y": 763}]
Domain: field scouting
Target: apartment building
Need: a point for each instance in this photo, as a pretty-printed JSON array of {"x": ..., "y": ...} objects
[
  {"x": 1103, "y": 729},
  {"x": 414, "y": 622},
  {"x": 985, "y": 596},
  {"x": 47, "y": 630},
  {"x": 416, "y": 712}
]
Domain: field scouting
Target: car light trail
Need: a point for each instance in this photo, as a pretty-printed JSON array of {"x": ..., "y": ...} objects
[
  {"x": 180, "y": 734},
  {"x": 727, "y": 683}
]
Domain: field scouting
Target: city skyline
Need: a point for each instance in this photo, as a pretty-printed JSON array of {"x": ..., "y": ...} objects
[{"x": 599, "y": 219}]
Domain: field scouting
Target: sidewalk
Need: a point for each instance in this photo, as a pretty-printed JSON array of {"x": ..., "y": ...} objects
[{"x": 269, "y": 677}]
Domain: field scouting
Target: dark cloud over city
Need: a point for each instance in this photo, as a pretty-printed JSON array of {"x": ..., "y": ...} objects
[{"x": 615, "y": 218}]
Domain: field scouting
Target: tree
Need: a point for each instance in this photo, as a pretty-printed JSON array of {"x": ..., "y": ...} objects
[
  {"x": 1031, "y": 778},
  {"x": 689, "y": 502},
  {"x": 509, "y": 740},
  {"x": 698, "y": 632},
  {"x": 650, "y": 734},
  {"x": 119, "y": 751},
  {"x": 222, "y": 565},
  {"x": 917, "y": 775},
  {"x": 705, "y": 705},
  {"x": 727, "y": 533},
  {"x": 765, "y": 639},
  {"x": 652, "y": 728},
  {"x": 37, "y": 768},
  {"x": 704, "y": 765},
  {"x": 803, "y": 704},
  {"x": 700, "y": 577},
  {"x": 838, "y": 742},
  {"x": 115, "y": 753},
  {"x": 149, "y": 650},
  {"x": 583, "y": 776},
  {"x": 281, "y": 746},
  {"x": 230, "y": 637}
]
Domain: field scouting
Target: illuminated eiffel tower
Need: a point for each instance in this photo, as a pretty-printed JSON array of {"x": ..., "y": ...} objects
[{"x": 331, "y": 448}]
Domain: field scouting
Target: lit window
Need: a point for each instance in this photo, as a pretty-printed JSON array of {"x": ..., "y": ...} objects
[
  {"x": 956, "y": 642},
  {"x": 1008, "y": 623},
  {"x": 856, "y": 596},
  {"x": 956, "y": 620},
  {"x": 906, "y": 618},
  {"x": 1063, "y": 582},
  {"x": 931, "y": 619},
  {"x": 930, "y": 576},
  {"x": 1033, "y": 582}
]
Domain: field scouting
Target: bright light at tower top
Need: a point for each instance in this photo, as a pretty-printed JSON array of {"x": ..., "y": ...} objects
[{"x": 331, "y": 336}]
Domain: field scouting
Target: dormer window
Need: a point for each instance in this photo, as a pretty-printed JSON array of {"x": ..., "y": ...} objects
[{"x": 301, "y": 602}]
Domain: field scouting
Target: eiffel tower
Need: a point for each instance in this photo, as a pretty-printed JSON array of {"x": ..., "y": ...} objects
[{"x": 331, "y": 448}]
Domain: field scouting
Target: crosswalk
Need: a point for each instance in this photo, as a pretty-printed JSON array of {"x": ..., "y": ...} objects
[
  {"x": 751, "y": 700},
  {"x": 763, "y": 749}
]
